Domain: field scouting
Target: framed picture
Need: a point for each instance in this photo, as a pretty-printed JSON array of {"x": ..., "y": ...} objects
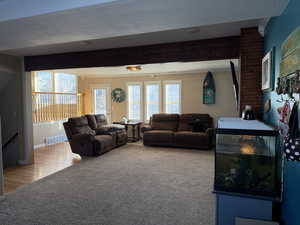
[{"x": 267, "y": 67}]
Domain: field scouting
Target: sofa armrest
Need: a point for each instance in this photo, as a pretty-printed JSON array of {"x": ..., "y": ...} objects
[
  {"x": 145, "y": 128},
  {"x": 83, "y": 137},
  {"x": 210, "y": 131},
  {"x": 107, "y": 130},
  {"x": 83, "y": 144},
  {"x": 102, "y": 131}
]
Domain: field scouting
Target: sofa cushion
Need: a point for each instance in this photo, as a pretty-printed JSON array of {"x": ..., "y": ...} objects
[
  {"x": 164, "y": 122},
  {"x": 158, "y": 137},
  {"x": 191, "y": 139},
  {"x": 96, "y": 121},
  {"x": 92, "y": 121},
  {"x": 187, "y": 121},
  {"x": 79, "y": 125},
  {"x": 199, "y": 126},
  {"x": 100, "y": 120}
]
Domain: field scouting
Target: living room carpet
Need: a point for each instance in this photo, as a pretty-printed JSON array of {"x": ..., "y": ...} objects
[{"x": 131, "y": 185}]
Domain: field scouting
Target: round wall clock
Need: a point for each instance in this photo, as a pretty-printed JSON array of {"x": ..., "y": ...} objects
[{"x": 118, "y": 95}]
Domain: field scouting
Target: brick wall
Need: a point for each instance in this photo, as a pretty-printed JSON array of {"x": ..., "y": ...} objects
[{"x": 251, "y": 54}]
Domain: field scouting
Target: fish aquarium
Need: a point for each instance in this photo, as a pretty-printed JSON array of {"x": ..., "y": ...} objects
[{"x": 246, "y": 160}]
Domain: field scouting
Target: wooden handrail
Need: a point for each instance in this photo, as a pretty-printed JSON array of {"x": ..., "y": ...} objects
[
  {"x": 56, "y": 93},
  {"x": 49, "y": 106},
  {"x": 10, "y": 140}
]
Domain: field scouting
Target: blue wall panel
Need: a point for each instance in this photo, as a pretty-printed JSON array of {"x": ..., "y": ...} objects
[{"x": 277, "y": 31}]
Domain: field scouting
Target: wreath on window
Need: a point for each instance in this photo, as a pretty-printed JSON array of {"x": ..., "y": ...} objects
[{"x": 118, "y": 95}]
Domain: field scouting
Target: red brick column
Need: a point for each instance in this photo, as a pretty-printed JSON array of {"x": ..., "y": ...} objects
[{"x": 251, "y": 54}]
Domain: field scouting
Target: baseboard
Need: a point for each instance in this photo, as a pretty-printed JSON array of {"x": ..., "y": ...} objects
[
  {"x": 23, "y": 162},
  {"x": 39, "y": 146}
]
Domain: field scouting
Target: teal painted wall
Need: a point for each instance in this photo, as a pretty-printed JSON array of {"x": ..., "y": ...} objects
[{"x": 276, "y": 32}]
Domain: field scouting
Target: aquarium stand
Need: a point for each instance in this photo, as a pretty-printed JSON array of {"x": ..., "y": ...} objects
[
  {"x": 247, "y": 183},
  {"x": 230, "y": 207}
]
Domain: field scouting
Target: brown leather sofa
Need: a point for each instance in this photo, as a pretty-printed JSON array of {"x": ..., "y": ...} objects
[
  {"x": 185, "y": 130},
  {"x": 91, "y": 136},
  {"x": 99, "y": 124}
]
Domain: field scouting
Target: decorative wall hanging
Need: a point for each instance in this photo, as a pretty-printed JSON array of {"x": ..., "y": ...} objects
[
  {"x": 209, "y": 91},
  {"x": 267, "y": 71},
  {"x": 118, "y": 95},
  {"x": 289, "y": 83},
  {"x": 290, "y": 54},
  {"x": 289, "y": 79}
]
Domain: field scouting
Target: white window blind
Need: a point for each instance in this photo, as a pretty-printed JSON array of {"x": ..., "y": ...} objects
[
  {"x": 172, "y": 97},
  {"x": 65, "y": 83},
  {"x": 100, "y": 103},
  {"x": 43, "y": 82},
  {"x": 152, "y": 99},
  {"x": 134, "y": 102}
]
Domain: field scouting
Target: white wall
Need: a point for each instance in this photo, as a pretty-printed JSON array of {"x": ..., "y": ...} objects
[
  {"x": 192, "y": 93},
  {"x": 11, "y": 107},
  {"x": 47, "y": 129}
]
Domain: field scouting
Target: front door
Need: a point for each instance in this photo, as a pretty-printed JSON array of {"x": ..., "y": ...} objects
[{"x": 101, "y": 97}]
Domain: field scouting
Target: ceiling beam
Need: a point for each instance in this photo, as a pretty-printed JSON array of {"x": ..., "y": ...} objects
[{"x": 201, "y": 50}]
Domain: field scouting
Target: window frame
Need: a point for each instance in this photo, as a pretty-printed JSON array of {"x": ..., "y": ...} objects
[
  {"x": 54, "y": 82},
  {"x": 145, "y": 97},
  {"x": 108, "y": 99},
  {"x": 141, "y": 99},
  {"x": 35, "y": 81},
  {"x": 34, "y": 88},
  {"x": 40, "y": 113},
  {"x": 165, "y": 83}
]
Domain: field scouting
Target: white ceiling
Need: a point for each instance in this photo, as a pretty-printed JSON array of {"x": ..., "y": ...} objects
[
  {"x": 154, "y": 69},
  {"x": 31, "y": 27},
  {"x": 185, "y": 34}
]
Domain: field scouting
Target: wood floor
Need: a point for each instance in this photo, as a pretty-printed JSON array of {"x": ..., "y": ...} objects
[{"x": 47, "y": 160}]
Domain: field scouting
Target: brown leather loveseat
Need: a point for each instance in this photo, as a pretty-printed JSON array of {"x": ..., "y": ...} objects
[
  {"x": 186, "y": 130},
  {"x": 91, "y": 136}
]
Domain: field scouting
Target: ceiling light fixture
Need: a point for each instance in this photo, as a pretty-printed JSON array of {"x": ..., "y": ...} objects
[{"x": 134, "y": 68}]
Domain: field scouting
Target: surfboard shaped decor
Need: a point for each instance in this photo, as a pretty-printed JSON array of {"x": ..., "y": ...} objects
[{"x": 209, "y": 91}]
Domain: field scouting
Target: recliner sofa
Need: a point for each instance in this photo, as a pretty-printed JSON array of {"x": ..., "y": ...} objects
[
  {"x": 91, "y": 136},
  {"x": 176, "y": 130}
]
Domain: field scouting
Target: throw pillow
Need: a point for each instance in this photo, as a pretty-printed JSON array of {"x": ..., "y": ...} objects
[{"x": 198, "y": 126}]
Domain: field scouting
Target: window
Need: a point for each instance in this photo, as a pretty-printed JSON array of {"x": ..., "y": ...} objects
[
  {"x": 172, "y": 96},
  {"x": 65, "y": 83},
  {"x": 43, "y": 82},
  {"x": 100, "y": 104},
  {"x": 152, "y": 99},
  {"x": 46, "y": 81},
  {"x": 134, "y": 101},
  {"x": 55, "y": 96}
]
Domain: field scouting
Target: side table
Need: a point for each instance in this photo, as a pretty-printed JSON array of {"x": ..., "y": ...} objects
[{"x": 136, "y": 127}]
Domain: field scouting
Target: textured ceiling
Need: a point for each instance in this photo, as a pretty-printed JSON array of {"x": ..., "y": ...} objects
[
  {"x": 60, "y": 26},
  {"x": 169, "y": 36}
]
